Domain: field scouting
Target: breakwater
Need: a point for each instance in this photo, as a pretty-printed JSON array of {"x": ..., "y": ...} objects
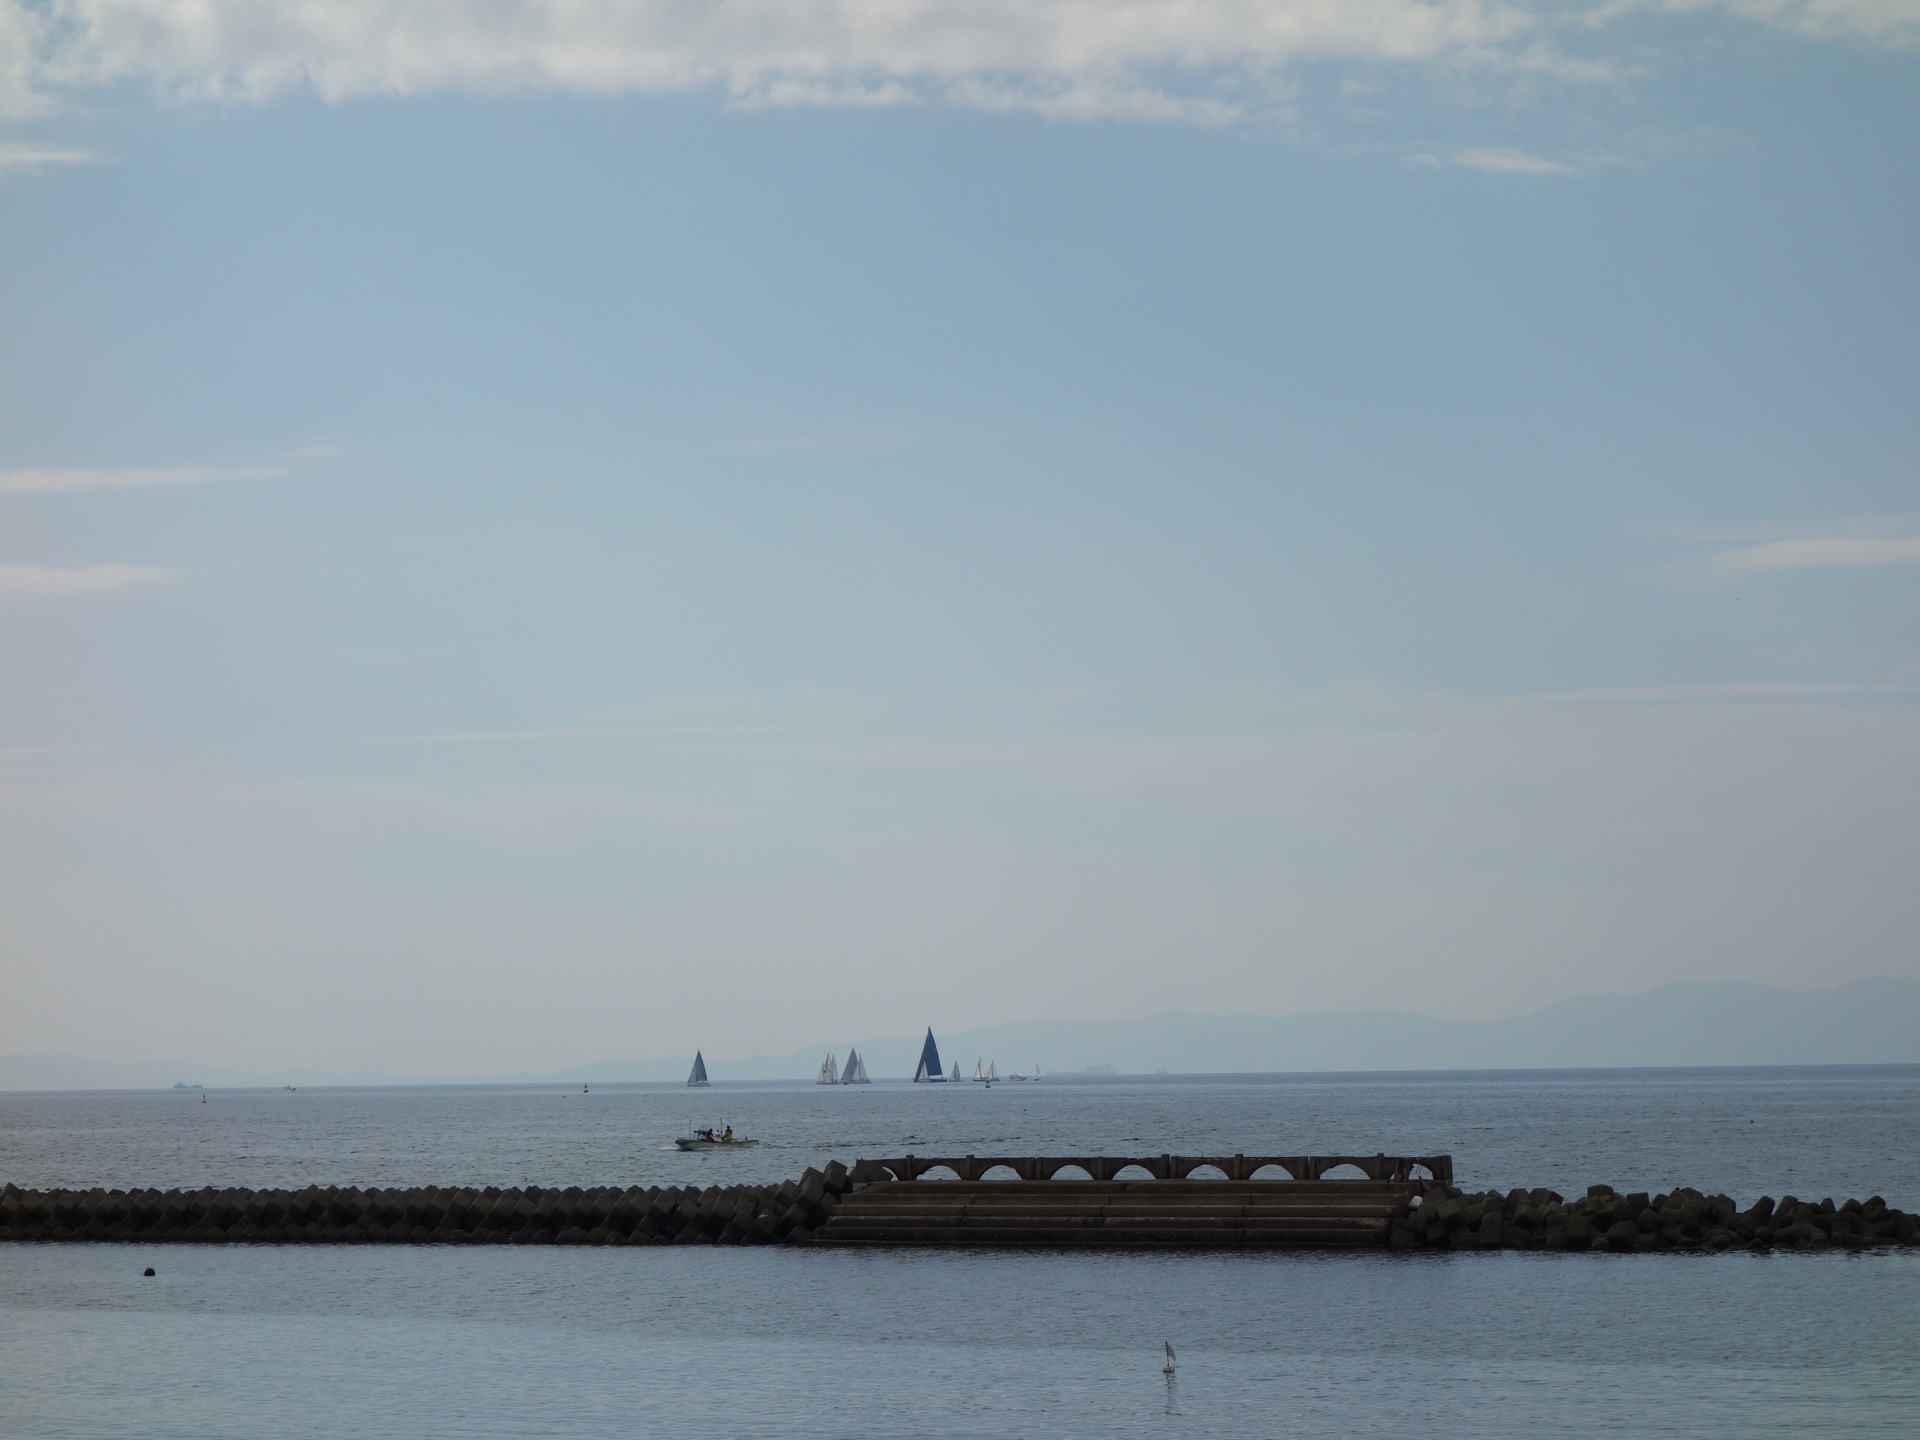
[
  {"x": 433, "y": 1215},
  {"x": 1680, "y": 1220},
  {"x": 867, "y": 1206}
]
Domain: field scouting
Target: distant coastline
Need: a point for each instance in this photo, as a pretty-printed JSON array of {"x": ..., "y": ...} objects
[{"x": 1683, "y": 1025}]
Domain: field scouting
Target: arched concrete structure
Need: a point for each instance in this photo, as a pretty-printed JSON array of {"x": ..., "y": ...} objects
[{"x": 1400, "y": 1169}]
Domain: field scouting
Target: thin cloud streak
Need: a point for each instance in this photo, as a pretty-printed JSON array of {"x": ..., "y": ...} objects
[
  {"x": 589, "y": 732},
  {"x": 49, "y": 581},
  {"x": 19, "y": 157},
  {"x": 1888, "y": 22},
  {"x": 1493, "y": 160},
  {"x": 1735, "y": 692},
  {"x": 1830, "y": 552},
  {"x": 60, "y": 482}
]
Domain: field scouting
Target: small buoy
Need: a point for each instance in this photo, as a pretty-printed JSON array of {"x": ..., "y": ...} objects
[{"x": 148, "y": 1272}]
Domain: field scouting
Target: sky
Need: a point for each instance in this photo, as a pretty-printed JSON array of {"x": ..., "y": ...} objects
[{"x": 534, "y": 533}]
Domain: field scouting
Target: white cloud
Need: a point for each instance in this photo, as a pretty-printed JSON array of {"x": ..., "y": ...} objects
[
  {"x": 1826, "y": 552},
  {"x": 57, "y": 580},
  {"x": 1063, "y": 56},
  {"x": 19, "y": 157},
  {"x": 1194, "y": 60},
  {"x": 48, "y": 482}
]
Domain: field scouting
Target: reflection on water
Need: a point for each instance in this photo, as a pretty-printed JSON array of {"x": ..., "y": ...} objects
[
  {"x": 509, "y": 1341},
  {"x": 294, "y": 1341}
]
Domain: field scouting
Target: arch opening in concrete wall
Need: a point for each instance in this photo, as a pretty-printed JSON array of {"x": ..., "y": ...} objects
[
  {"x": 1344, "y": 1172},
  {"x": 940, "y": 1172},
  {"x": 1133, "y": 1172},
  {"x": 1419, "y": 1172},
  {"x": 1071, "y": 1172},
  {"x": 1000, "y": 1172},
  {"x": 1206, "y": 1172},
  {"x": 1271, "y": 1172}
]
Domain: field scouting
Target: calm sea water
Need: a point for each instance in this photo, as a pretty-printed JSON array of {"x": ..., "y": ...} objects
[{"x": 270, "y": 1341}]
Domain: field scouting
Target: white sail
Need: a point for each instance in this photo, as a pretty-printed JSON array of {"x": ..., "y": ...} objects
[
  {"x": 979, "y": 1070},
  {"x": 856, "y": 1071},
  {"x": 992, "y": 1072},
  {"x": 830, "y": 1071},
  {"x": 955, "y": 1077}
]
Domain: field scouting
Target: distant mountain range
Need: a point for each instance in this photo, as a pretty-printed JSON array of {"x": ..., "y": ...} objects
[{"x": 1874, "y": 1021}]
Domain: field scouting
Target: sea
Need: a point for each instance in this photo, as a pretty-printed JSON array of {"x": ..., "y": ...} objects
[{"x": 298, "y": 1341}]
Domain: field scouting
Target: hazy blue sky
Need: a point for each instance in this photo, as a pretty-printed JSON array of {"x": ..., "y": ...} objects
[{"x": 532, "y": 533}]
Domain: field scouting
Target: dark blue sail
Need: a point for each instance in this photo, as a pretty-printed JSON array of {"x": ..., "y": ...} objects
[
  {"x": 699, "y": 1075},
  {"x": 929, "y": 1072}
]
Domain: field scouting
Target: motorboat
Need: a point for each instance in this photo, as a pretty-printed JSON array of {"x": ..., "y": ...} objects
[{"x": 711, "y": 1139}]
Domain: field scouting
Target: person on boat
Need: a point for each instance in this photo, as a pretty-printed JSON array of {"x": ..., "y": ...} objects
[{"x": 727, "y": 1139}]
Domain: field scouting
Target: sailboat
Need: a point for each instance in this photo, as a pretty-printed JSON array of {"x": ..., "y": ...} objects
[
  {"x": 979, "y": 1070},
  {"x": 830, "y": 1071},
  {"x": 955, "y": 1077},
  {"x": 856, "y": 1071},
  {"x": 698, "y": 1075},
  {"x": 929, "y": 1072}
]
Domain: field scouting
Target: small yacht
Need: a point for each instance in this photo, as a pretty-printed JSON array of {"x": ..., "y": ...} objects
[
  {"x": 697, "y": 1077},
  {"x": 830, "y": 1071},
  {"x": 856, "y": 1071}
]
